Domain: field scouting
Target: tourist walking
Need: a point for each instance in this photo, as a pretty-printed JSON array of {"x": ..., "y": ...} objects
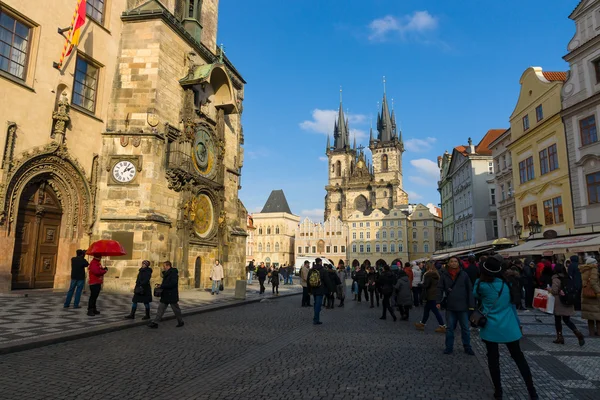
[
  {"x": 334, "y": 281},
  {"x": 561, "y": 283},
  {"x": 251, "y": 268},
  {"x": 95, "y": 280},
  {"x": 361, "y": 281},
  {"x": 290, "y": 270},
  {"x": 502, "y": 325},
  {"x": 283, "y": 272},
  {"x": 372, "y": 278},
  {"x": 275, "y": 280},
  {"x": 457, "y": 291},
  {"x": 471, "y": 268},
  {"x": 431, "y": 280},
  {"x": 318, "y": 283},
  {"x": 169, "y": 295},
  {"x": 341, "y": 287},
  {"x": 402, "y": 291},
  {"x": 303, "y": 277},
  {"x": 528, "y": 279},
  {"x": 216, "y": 276},
  {"x": 386, "y": 283},
  {"x": 590, "y": 295},
  {"x": 261, "y": 274},
  {"x": 142, "y": 292},
  {"x": 417, "y": 284},
  {"x": 78, "y": 266}
]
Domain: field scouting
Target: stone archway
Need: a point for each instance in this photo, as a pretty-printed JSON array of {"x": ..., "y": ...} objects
[{"x": 63, "y": 179}]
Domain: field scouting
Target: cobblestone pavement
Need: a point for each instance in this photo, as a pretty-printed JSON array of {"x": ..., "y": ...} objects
[
  {"x": 560, "y": 371},
  {"x": 262, "y": 350},
  {"x": 271, "y": 350},
  {"x": 40, "y": 316}
]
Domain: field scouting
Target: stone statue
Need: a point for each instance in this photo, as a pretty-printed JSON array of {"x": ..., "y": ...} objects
[{"x": 61, "y": 119}]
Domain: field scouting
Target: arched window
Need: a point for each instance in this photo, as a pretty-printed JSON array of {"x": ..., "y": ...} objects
[
  {"x": 277, "y": 230},
  {"x": 276, "y": 246},
  {"x": 338, "y": 168},
  {"x": 260, "y": 247},
  {"x": 260, "y": 231},
  {"x": 384, "y": 163},
  {"x": 426, "y": 248},
  {"x": 194, "y": 7},
  {"x": 332, "y": 168},
  {"x": 415, "y": 248},
  {"x": 269, "y": 230},
  {"x": 268, "y": 247}
]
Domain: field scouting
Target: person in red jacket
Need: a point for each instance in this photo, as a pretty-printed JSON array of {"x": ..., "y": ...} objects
[
  {"x": 409, "y": 272},
  {"x": 96, "y": 277}
]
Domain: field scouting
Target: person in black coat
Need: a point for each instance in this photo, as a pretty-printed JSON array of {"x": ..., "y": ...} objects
[
  {"x": 142, "y": 293},
  {"x": 372, "y": 278},
  {"x": 334, "y": 280},
  {"x": 261, "y": 274},
  {"x": 386, "y": 283},
  {"x": 169, "y": 295},
  {"x": 361, "y": 280},
  {"x": 275, "y": 280},
  {"x": 318, "y": 291}
]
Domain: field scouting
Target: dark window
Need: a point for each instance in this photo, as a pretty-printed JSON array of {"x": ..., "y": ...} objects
[
  {"x": 593, "y": 187},
  {"x": 95, "y": 10},
  {"x": 85, "y": 84},
  {"x": 526, "y": 122},
  {"x": 597, "y": 69},
  {"x": 384, "y": 163},
  {"x": 544, "y": 162},
  {"x": 530, "y": 170},
  {"x": 522, "y": 174},
  {"x": 552, "y": 157},
  {"x": 539, "y": 113},
  {"x": 587, "y": 130},
  {"x": 14, "y": 45}
]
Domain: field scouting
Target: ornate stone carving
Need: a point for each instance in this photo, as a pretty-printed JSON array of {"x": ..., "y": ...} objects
[
  {"x": 9, "y": 146},
  {"x": 136, "y": 141},
  {"x": 61, "y": 119},
  {"x": 124, "y": 140}
]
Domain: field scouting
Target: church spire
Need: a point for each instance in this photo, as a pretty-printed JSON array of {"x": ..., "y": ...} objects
[
  {"x": 340, "y": 129},
  {"x": 328, "y": 145},
  {"x": 385, "y": 127}
]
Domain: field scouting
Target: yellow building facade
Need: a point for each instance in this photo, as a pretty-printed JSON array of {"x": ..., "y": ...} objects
[{"x": 539, "y": 154}]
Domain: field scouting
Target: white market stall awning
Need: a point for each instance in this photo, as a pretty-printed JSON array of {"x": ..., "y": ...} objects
[
  {"x": 548, "y": 247},
  {"x": 445, "y": 256}
]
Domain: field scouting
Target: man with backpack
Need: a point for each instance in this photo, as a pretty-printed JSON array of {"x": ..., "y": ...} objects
[{"x": 318, "y": 285}]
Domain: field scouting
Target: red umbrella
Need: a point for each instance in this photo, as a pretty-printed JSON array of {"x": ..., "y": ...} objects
[{"x": 106, "y": 248}]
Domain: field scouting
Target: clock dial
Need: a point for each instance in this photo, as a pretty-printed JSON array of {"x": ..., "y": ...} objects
[
  {"x": 124, "y": 171},
  {"x": 204, "y": 153},
  {"x": 203, "y": 215}
]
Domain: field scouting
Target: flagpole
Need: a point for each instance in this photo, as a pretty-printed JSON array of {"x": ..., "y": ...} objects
[{"x": 69, "y": 36}]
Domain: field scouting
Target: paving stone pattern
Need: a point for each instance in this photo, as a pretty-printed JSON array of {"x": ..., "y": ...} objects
[
  {"x": 42, "y": 314},
  {"x": 267, "y": 350}
]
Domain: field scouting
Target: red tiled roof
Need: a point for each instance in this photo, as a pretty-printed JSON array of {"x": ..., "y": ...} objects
[
  {"x": 555, "y": 76},
  {"x": 483, "y": 148},
  {"x": 461, "y": 149}
]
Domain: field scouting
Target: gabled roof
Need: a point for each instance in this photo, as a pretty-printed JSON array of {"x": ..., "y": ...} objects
[
  {"x": 276, "y": 203},
  {"x": 554, "y": 76},
  {"x": 483, "y": 148}
]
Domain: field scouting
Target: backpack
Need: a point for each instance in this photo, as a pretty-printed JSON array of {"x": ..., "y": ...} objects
[
  {"x": 314, "y": 279},
  {"x": 514, "y": 287},
  {"x": 570, "y": 293}
]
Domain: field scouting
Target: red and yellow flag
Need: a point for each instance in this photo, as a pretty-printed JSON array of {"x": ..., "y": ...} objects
[{"x": 75, "y": 32}]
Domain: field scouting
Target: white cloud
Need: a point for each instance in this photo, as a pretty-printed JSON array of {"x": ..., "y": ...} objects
[
  {"x": 419, "y": 22},
  {"x": 413, "y": 196},
  {"x": 315, "y": 215},
  {"x": 323, "y": 121},
  {"x": 323, "y": 158},
  {"x": 256, "y": 153},
  {"x": 427, "y": 167},
  {"x": 419, "y": 180},
  {"x": 419, "y": 145}
]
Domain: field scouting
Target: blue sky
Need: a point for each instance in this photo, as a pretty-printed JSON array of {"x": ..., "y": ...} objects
[{"x": 452, "y": 68}]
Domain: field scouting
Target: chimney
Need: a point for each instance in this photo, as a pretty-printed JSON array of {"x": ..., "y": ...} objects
[{"x": 471, "y": 146}]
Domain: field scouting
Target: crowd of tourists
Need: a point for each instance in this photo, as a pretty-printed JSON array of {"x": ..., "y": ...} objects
[{"x": 479, "y": 296}]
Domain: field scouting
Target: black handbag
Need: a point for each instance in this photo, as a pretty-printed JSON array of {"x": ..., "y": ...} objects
[
  {"x": 158, "y": 291},
  {"x": 220, "y": 286},
  {"x": 138, "y": 290},
  {"x": 478, "y": 319}
]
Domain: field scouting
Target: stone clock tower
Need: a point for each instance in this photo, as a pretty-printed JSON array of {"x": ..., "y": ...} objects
[{"x": 171, "y": 153}]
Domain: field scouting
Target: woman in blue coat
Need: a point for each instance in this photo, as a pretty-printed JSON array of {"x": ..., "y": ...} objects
[{"x": 502, "y": 324}]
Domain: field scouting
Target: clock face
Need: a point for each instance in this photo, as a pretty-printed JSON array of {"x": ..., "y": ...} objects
[
  {"x": 204, "y": 153},
  {"x": 124, "y": 171}
]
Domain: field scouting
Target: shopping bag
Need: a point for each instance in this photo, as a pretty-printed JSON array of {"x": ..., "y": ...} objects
[{"x": 543, "y": 301}]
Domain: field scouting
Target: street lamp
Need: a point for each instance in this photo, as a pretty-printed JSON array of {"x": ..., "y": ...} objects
[
  {"x": 518, "y": 229},
  {"x": 534, "y": 227}
]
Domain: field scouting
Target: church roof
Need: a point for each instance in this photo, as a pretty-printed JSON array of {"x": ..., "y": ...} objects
[{"x": 276, "y": 203}]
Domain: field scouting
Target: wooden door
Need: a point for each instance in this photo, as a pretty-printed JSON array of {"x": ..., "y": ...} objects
[{"x": 36, "y": 239}]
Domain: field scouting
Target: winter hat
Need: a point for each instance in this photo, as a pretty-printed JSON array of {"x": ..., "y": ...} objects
[
  {"x": 591, "y": 260},
  {"x": 492, "y": 266},
  {"x": 146, "y": 263},
  {"x": 395, "y": 267}
]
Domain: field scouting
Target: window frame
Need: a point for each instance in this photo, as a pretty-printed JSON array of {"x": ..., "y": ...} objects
[
  {"x": 553, "y": 158},
  {"x": 543, "y": 154},
  {"x": 94, "y": 64},
  {"x": 30, "y": 27},
  {"x": 596, "y": 63},
  {"x": 526, "y": 122},
  {"x": 585, "y": 134},
  {"x": 102, "y": 12},
  {"x": 539, "y": 113},
  {"x": 594, "y": 184}
]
